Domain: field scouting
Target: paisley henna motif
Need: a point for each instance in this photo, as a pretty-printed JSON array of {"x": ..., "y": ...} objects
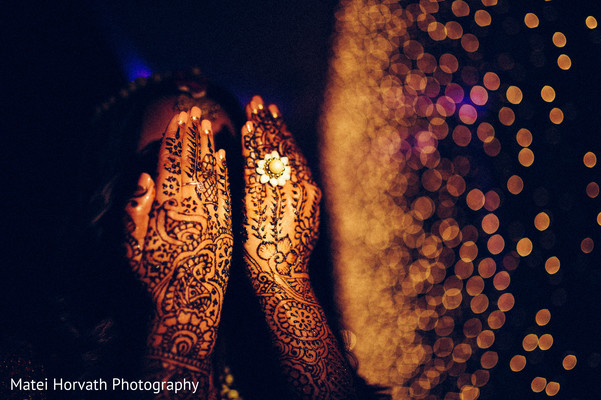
[
  {"x": 184, "y": 257},
  {"x": 281, "y": 227}
]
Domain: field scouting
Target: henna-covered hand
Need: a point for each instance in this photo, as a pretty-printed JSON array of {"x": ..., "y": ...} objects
[
  {"x": 179, "y": 243},
  {"x": 281, "y": 226}
]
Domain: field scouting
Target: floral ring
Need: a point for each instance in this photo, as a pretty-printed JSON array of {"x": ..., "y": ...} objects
[{"x": 274, "y": 169}]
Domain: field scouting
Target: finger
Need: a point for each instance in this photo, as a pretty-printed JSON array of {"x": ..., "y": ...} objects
[
  {"x": 265, "y": 135},
  {"x": 208, "y": 162},
  {"x": 249, "y": 146},
  {"x": 169, "y": 165},
  {"x": 137, "y": 216},
  {"x": 191, "y": 150},
  {"x": 255, "y": 107},
  {"x": 198, "y": 159},
  {"x": 223, "y": 191}
]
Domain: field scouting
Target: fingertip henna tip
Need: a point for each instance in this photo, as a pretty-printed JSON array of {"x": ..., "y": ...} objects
[
  {"x": 249, "y": 126},
  {"x": 256, "y": 104},
  {"x": 275, "y": 112},
  {"x": 206, "y": 126},
  {"x": 182, "y": 117},
  {"x": 195, "y": 113}
]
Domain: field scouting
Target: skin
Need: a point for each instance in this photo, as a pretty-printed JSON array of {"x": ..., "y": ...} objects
[
  {"x": 281, "y": 229},
  {"x": 180, "y": 242}
]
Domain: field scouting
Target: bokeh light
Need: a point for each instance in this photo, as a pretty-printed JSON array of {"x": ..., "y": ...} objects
[
  {"x": 454, "y": 181},
  {"x": 587, "y": 245},
  {"x": 547, "y": 93},
  {"x": 545, "y": 341},
  {"x": 538, "y": 384},
  {"x": 552, "y": 388},
  {"x": 569, "y": 362},
  {"x": 517, "y": 363},
  {"x": 526, "y": 157},
  {"x": 524, "y": 247},
  {"x": 564, "y": 62},
  {"x": 524, "y": 137},
  {"x": 530, "y": 342},
  {"x": 591, "y": 22},
  {"x": 543, "y": 317},
  {"x": 552, "y": 265},
  {"x": 514, "y": 95},
  {"x": 592, "y": 190},
  {"x": 590, "y": 159},
  {"x": 542, "y": 221},
  {"x": 482, "y": 18},
  {"x": 559, "y": 39},
  {"x": 531, "y": 20},
  {"x": 491, "y": 81}
]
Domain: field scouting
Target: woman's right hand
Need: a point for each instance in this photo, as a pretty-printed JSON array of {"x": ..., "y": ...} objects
[{"x": 179, "y": 243}]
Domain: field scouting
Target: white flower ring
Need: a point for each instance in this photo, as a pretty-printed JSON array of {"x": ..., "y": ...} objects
[{"x": 274, "y": 169}]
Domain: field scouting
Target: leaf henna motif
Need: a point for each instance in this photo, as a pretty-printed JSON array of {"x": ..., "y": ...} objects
[
  {"x": 281, "y": 228},
  {"x": 185, "y": 259}
]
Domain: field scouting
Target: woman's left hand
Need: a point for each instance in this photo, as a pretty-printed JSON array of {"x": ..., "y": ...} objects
[
  {"x": 281, "y": 223},
  {"x": 281, "y": 197}
]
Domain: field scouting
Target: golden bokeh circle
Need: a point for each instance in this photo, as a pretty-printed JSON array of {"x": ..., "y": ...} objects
[
  {"x": 517, "y": 363},
  {"x": 530, "y": 342},
  {"x": 506, "y": 302},
  {"x": 547, "y": 93},
  {"x": 526, "y": 157},
  {"x": 531, "y": 20},
  {"x": 514, "y": 95},
  {"x": 524, "y": 137},
  {"x": 552, "y": 388},
  {"x": 587, "y": 245},
  {"x": 552, "y": 265},
  {"x": 543, "y": 317},
  {"x": 591, "y": 22},
  {"x": 524, "y": 247},
  {"x": 569, "y": 362},
  {"x": 542, "y": 221},
  {"x": 491, "y": 81},
  {"x": 545, "y": 341},
  {"x": 589, "y": 159},
  {"x": 556, "y": 115},
  {"x": 538, "y": 384},
  {"x": 564, "y": 62},
  {"x": 515, "y": 184},
  {"x": 559, "y": 39},
  {"x": 482, "y": 18}
]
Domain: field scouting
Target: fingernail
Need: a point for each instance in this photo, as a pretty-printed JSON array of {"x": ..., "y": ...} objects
[
  {"x": 195, "y": 114},
  {"x": 183, "y": 117},
  {"x": 205, "y": 125},
  {"x": 249, "y": 126},
  {"x": 274, "y": 110},
  {"x": 221, "y": 154},
  {"x": 144, "y": 180},
  {"x": 258, "y": 102}
]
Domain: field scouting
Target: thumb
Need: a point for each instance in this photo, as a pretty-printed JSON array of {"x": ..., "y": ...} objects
[{"x": 136, "y": 218}]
